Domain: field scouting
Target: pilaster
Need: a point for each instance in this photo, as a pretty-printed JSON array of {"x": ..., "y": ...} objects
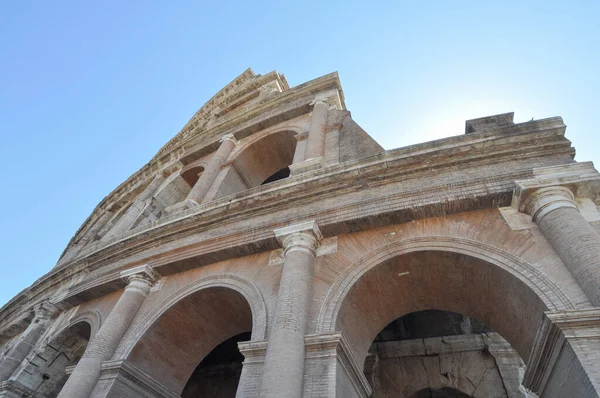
[
  {"x": 314, "y": 153},
  {"x": 331, "y": 370},
  {"x": 254, "y": 353},
  {"x": 565, "y": 355}
]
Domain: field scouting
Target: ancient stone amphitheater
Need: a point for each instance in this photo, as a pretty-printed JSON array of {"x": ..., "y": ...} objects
[{"x": 273, "y": 249}]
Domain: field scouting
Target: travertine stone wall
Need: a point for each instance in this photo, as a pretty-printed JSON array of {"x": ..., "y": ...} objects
[
  {"x": 445, "y": 225},
  {"x": 402, "y": 368}
]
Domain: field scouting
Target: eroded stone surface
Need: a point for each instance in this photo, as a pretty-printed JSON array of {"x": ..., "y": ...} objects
[{"x": 471, "y": 224}]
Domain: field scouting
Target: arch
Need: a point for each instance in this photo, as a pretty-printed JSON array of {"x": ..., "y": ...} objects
[
  {"x": 91, "y": 317},
  {"x": 253, "y": 139},
  {"x": 45, "y": 369},
  {"x": 258, "y": 159},
  {"x": 498, "y": 261},
  {"x": 172, "y": 339},
  {"x": 192, "y": 174},
  {"x": 429, "y": 353}
]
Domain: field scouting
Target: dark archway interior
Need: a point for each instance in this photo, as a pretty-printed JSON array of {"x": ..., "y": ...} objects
[
  {"x": 279, "y": 175},
  {"x": 219, "y": 372},
  {"x": 445, "y": 392},
  {"x": 428, "y": 353},
  {"x": 192, "y": 175},
  {"x": 430, "y": 323}
]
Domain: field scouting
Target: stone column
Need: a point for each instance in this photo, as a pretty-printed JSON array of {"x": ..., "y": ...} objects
[
  {"x": 103, "y": 345},
  {"x": 207, "y": 178},
  {"x": 131, "y": 214},
  {"x": 21, "y": 348},
  {"x": 577, "y": 243},
  {"x": 283, "y": 371},
  {"x": 316, "y": 136}
]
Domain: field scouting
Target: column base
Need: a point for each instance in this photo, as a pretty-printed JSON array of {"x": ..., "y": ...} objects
[
  {"x": 307, "y": 165},
  {"x": 565, "y": 355},
  {"x": 122, "y": 379}
]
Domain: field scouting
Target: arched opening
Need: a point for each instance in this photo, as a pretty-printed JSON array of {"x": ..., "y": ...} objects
[
  {"x": 263, "y": 161},
  {"x": 176, "y": 349},
  {"x": 218, "y": 374},
  {"x": 431, "y": 353},
  {"x": 448, "y": 282},
  {"x": 45, "y": 372},
  {"x": 192, "y": 175},
  {"x": 279, "y": 175}
]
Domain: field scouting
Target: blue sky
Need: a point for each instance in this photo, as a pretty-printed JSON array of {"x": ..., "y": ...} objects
[{"x": 89, "y": 91}]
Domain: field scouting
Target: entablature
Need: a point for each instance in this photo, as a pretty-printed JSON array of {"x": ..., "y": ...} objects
[{"x": 446, "y": 176}]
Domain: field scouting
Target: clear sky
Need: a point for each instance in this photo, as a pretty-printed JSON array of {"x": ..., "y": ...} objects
[{"x": 89, "y": 91}]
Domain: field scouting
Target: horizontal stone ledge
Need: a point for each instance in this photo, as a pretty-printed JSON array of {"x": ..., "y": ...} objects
[
  {"x": 262, "y": 240},
  {"x": 310, "y": 183},
  {"x": 368, "y": 170}
]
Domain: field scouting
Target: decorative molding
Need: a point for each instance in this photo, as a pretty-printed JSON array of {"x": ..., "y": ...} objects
[
  {"x": 423, "y": 158},
  {"x": 307, "y": 165},
  {"x": 141, "y": 271},
  {"x": 543, "y": 200},
  {"x": 254, "y": 351},
  {"x": 305, "y": 237}
]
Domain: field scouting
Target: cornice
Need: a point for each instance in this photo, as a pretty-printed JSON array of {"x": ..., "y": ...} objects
[
  {"x": 370, "y": 176},
  {"x": 383, "y": 168}
]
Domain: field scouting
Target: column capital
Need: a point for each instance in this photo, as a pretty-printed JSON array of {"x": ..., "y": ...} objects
[
  {"x": 543, "y": 200},
  {"x": 45, "y": 310},
  {"x": 228, "y": 137},
  {"x": 140, "y": 279},
  {"x": 555, "y": 186},
  {"x": 305, "y": 237},
  {"x": 319, "y": 101}
]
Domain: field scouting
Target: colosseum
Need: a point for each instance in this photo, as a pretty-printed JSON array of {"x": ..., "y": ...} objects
[{"x": 273, "y": 249}]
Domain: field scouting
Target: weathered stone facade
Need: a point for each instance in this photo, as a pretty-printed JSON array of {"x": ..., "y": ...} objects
[{"x": 273, "y": 249}]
